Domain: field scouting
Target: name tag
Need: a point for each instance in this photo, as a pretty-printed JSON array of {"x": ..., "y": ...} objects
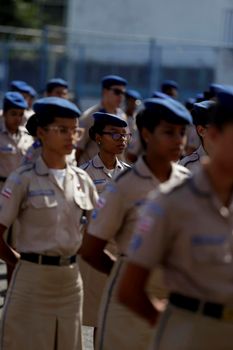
[
  {"x": 36, "y": 193},
  {"x": 99, "y": 181}
]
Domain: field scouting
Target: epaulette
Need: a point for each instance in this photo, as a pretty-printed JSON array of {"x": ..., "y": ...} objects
[
  {"x": 25, "y": 168},
  {"x": 189, "y": 159},
  {"x": 168, "y": 188},
  {"x": 84, "y": 166},
  {"x": 126, "y": 165},
  {"x": 182, "y": 169},
  {"x": 122, "y": 173}
]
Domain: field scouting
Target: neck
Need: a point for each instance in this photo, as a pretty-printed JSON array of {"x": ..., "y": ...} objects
[
  {"x": 108, "y": 159},
  {"x": 161, "y": 169},
  {"x": 221, "y": 181},
  {"x": 109, "y": 107},
  {"x": 53, "y": 161}
]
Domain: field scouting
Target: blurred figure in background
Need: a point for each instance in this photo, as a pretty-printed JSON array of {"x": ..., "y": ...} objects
[
  {"x": 113, "y": 92},
  {"x": 170, "y": 88},
  {"x": 57, "y": 87}
]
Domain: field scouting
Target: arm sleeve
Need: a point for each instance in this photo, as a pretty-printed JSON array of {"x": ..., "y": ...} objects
[
  {"x": 107, "y": 218},
  {"x": 11, "y": 198},
  {"x": 151, "y": 233}
]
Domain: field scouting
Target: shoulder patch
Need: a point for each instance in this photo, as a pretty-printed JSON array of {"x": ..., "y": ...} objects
[
  {"x": 123, "y": 173},
  {"x": 189, "y": 159}
]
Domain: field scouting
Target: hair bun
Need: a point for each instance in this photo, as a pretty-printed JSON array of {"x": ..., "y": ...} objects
[{"x": 32, "y": 125}]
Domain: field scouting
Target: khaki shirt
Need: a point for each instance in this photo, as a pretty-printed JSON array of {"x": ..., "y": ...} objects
[
  {"x": 189, "y": 232},
  {"x": 90, "y": 147},
  {"x": 118, "y": 205},
  {"x": 12, "y": 149},
  {"x": 34, "y": 151},
  {"x": 192, "y": 161},
  {"x": 99, "y": 174},
  {"x": 50, "y": 215}
]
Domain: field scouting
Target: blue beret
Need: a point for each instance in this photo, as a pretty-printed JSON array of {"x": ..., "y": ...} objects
[
  {"x": 133, "y": 94},
  {"x": 20, "y": 86},
  {"x": 225, "y": 98},
  {"x": 168, "y": 109},
  {"x": 52, "y": 83},
  {"x": 169, "y": 84},
  {"x": 189, "y": 103},
  {"x": 201, "y": 112},
  {"x": 14, "y": 99},
  {"x": 31, "y": 91},
  {"x": 215, "y": 88},
  {"x": 110, "y": 80},
  {"x": 159, "y": 94},
  {"x": 109, "y": 119},
  {"x": 56, "y": 106}
]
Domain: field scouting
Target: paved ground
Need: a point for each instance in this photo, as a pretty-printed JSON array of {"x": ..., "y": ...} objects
[{"x": 87, "y": 331}]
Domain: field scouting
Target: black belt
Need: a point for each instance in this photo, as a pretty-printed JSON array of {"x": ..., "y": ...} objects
[
  {"x": 48, "y": 259},
  {"x": 210, "y": 309},
  {"x": 3, "y": 179}
]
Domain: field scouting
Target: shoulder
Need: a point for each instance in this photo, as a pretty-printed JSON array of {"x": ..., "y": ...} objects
[
  {"x": 194, "y": 157},
  {"x": 88, "y": 113},
  {"x": 123, "y": 175},
  {"x": 167, "y": 189},
  {"x": 125, "y": 165},
  {"x": 182, "y": 169},
  {"x": 85, "y": 166}
]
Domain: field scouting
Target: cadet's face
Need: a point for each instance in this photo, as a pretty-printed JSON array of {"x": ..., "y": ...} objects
[
  {"x": 166, "y": 142},
  {"x": 222, "y": 141},
  {"x": 115, "y": 95},
  {"x": 59, "y": 91},
  {"x": 60, "y": 136},
  {"x": 109, "y": 141},
  {"x": 13, "y": 119}
]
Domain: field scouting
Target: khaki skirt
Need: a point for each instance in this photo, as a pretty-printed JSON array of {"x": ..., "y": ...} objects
[{"x": 43, "y": 308}]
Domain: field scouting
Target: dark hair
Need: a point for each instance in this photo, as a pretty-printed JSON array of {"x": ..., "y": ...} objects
[
  {"x": 149, "y": 119},
  {"x": 146, "y": 119},
  {"x": 220, "y": 116},
  {"x": 96, "y": 128},
  {"x": 36, "y": 121}
]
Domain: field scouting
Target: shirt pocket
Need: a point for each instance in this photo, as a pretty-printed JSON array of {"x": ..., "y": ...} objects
[{"x": 216, "y": 251}]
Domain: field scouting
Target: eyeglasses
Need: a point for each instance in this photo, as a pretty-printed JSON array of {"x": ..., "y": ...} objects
[
  {"x": 64, "y": 130},
  {"x": 117, "y": 136},
  {"x": 117, "y": 92}
]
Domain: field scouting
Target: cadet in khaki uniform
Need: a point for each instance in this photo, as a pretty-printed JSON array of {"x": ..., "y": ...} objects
[
  {"x": 57, "y": 87},
  {"x": 28, "y": 93},
  {"x": 14, "y": 140},
  {"x": 110, "y": 133},
  {"x": 43, "y": 308},
  {"x": 161, "y": 125},
  {"x": 201, "y": 118},
  {"x": 113, "y": 91},
  {"x": 194, "y": 245},
  {"x": 132, "y": 103}
]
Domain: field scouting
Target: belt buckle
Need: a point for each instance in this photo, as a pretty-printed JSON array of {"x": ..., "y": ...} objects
[
  {"x": 64, "y": 261},
  {"x": 228, "y": 314}
]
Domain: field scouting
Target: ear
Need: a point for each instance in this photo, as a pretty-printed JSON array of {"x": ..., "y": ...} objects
[
  {"x": 98, "y": 139},
  {"x": 213, "y": 133},
  {"x": 201, "y": 130},
  {"x": 146, "y": 134},
  {"x": 40, "y": 133}
]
